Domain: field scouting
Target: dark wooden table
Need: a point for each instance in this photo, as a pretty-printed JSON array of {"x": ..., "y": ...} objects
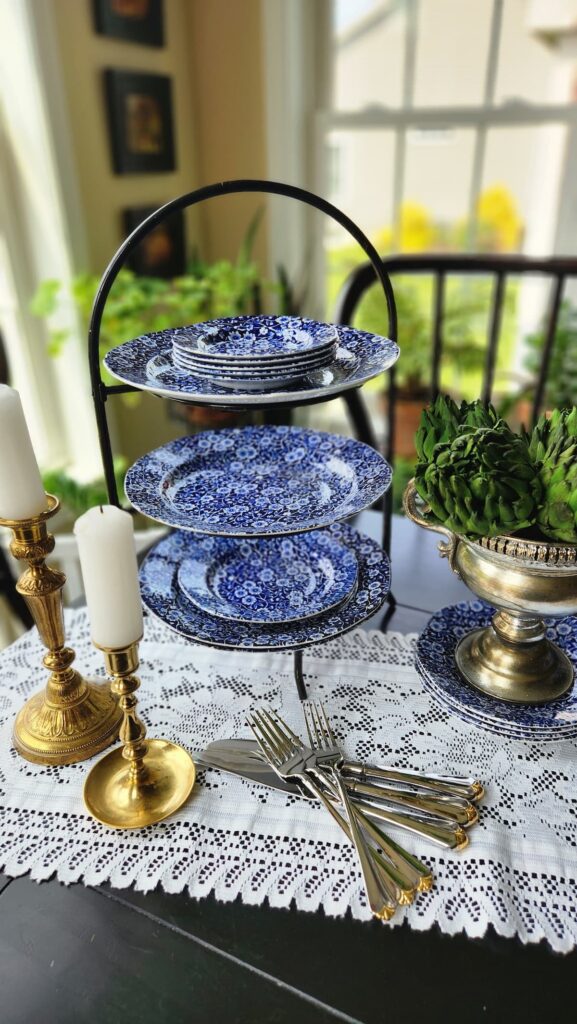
[{"x": 75, "y": 954}]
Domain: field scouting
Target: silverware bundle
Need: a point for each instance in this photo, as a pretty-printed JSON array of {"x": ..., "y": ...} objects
[{"x": 435, "y": 807}]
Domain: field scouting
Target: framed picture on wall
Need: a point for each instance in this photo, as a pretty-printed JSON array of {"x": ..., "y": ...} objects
[
  {"x": 135, "y": 21},
  {"x": 162, "y": 253},
  {"x": 139, "y": 107}
]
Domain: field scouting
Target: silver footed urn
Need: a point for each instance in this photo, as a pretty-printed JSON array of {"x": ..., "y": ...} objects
[{"x": 526, "y": 581}]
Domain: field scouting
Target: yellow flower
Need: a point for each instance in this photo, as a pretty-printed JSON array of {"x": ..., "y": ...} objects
[
  {"x": 417, "y": 230},
  {"x": 499, "y": 218}
]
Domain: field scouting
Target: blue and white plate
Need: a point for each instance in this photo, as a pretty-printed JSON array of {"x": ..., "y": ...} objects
[
  {"x": 146, "y": 363},
  {"x": 258, "y": 338},
  {"x": 273, "y": 579},
  {"x": 436, "y": 664},
  {"x": 257, "y": 481},
  {"x": 243, "y": 369},
  {"x": 255, "y": 383},
  {"x": 163, "y": 597},
  {"x": 181, "y": 358}
]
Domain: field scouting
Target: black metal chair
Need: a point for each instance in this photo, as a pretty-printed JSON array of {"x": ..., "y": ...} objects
[{"x": 439, "y": 266}]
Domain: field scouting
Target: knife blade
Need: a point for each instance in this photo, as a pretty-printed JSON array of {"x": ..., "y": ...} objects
[{"x": 254, "y": 771}]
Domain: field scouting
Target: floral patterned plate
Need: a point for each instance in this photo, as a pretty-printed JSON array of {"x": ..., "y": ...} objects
[
  {"x": 257, "y": 481},
  {"x": 435, "y": 662},
  {"x": 163, "y": 597},
  {"x": 146, "y": 364},
  {"x": 256, "y": 338},
  {"x": 268, "y": 580}
]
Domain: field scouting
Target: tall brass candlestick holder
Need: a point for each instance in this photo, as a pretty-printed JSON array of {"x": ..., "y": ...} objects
[
  {"x": 145, "y": 780},
  {"x": 72, "y": 719}
]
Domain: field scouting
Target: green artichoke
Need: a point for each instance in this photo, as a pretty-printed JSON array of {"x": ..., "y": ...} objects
[
  {"x": 478, "y": 414},
  {"x": 482, "y": 483},
  {"x": 439, "y": 422},
  {"x": 443, "y": 420},
  {"x": 553, "y": 448}
]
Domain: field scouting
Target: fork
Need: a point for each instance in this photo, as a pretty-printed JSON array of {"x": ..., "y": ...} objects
[
  {"x": 288, "y": 760},
  {"x": 436, "y": 830},
  {"x": 329, "y": 757},
  {"x": 453, "y": 809}
]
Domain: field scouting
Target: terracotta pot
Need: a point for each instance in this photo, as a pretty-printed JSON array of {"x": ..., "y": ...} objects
[{"x": 210, "y": 419}]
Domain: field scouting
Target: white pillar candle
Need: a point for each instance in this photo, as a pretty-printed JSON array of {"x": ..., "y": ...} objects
[
  {"x": 22, "y": 495},
  {"x": 108, "y": 561}
]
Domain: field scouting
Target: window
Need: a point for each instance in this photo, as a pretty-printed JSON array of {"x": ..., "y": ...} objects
[{"x": 459, "y": 124}]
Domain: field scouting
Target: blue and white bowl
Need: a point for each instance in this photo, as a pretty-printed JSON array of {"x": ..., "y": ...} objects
[{"x": 269, "y": 580}]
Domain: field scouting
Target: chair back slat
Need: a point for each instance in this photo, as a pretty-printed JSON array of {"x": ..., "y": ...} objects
[
  {"x": 438, "y": 313},
  {"x": 552, "y": 320},
  {"x": 493, "y": 336},
  {"x": 440, "y": 266}
]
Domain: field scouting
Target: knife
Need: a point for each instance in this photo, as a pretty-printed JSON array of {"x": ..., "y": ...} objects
[
  {"x": 438, "y": 828},
  {"x": 399, "y": 778}
]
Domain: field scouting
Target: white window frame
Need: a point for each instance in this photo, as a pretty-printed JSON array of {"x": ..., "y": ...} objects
[{"x": 480, "y": 118}]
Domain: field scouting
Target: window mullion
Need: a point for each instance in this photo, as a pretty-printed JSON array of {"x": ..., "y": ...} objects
[
  {"x": 481, "y": 135},
  {"x": 412, "y": 26}
]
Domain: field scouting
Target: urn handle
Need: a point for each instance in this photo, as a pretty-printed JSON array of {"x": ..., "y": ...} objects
[{"x": 448, "y": 547}]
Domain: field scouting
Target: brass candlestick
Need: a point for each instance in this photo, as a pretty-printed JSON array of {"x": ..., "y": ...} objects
[
  {"x": 145, "y": 780},
  {"x": 72, "y": 719}
]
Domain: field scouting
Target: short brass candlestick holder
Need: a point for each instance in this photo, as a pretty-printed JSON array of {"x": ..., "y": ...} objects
[
  {"x": 145, "y": 780},
  {"x": 72, "y": 719}
]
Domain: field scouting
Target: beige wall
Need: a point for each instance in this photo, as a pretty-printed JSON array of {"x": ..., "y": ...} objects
[
  {"x": 213, "y": 54},
  {"x": 84, "y": 54},
  {"x": 228, "y": 88}
]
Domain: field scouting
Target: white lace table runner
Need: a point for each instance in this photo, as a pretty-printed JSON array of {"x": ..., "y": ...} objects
[{"x": 233, "y": 837}]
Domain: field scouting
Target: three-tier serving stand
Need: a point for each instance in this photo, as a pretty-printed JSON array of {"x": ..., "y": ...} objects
[{"x": 102, "y": 391}]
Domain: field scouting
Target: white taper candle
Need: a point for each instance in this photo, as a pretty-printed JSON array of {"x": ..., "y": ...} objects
[
  {"x": 108, "y": 561},
  {"x": 22, "y": 495}
]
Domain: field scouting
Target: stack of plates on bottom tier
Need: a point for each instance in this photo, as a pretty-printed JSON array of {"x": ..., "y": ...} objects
[
  {"x": 271, "y": 593},
  {"x": 255, "y": 352},
  {"x": 436, "y": 665}
]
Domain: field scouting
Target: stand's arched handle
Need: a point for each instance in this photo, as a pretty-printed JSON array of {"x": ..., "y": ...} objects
[{"x": 99, "y": 391}]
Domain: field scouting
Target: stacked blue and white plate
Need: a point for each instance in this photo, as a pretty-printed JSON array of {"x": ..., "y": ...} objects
[
  {"x": 252, "y": 361},
  {"x": 435, "y": 661},
  {"x": 260, "y": 558},
  {"x": 255, "y": 353}
]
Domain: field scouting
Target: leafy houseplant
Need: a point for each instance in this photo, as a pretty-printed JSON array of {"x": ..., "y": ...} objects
[
  {"x": 138, "y": 305},
  {"x": 561, "y": 383},
  {"x": 462, "y": 350}
]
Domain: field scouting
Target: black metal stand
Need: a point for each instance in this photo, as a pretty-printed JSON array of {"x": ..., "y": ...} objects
[
  {"x": 299, "y": 677},
  {"x": 101, "y": 391}
]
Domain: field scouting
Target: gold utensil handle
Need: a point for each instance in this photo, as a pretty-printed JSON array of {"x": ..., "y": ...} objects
[
  {"x": 377, "y": 883},
  {"x": 407, "y": 873},
  {"x": 470, "y": 789},
  {"x": 452, "y": 838},
  {"x": 459, "y": 812},
  {"x": 381, "y": 893}
]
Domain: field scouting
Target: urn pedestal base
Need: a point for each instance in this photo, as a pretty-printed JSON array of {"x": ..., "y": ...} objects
[{"x": 521, "y": 672}]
